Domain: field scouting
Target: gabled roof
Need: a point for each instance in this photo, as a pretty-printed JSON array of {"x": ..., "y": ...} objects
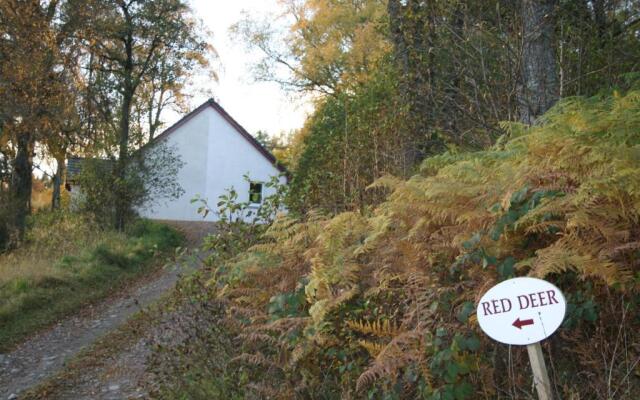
[{"x": 217, "y": 107}]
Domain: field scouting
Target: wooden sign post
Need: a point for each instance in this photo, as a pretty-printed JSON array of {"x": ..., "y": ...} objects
[
  {"x": 540, "y": 375},
  {"x": 524, "y": 311}
]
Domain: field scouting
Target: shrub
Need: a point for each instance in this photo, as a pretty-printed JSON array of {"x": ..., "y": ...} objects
[
  {"x": 239, "y": 224},
  {"x": 182, "y": 364},
  {"x": 7, "y": 213},
  {"x": 151, "y": 177}
]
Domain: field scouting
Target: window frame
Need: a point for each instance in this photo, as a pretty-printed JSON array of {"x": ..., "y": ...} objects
[{"x": 252, "y": 192}]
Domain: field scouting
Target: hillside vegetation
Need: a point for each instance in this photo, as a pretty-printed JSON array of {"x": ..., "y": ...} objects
[{"x": 380, "y": 304}]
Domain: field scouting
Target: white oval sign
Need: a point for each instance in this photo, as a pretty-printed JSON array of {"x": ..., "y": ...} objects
[{"x": 521, "y": 311}]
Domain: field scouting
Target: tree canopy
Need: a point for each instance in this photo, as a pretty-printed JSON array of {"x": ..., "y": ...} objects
[
  {"x": 446, "y": 75},
  {"x": 90, "y": 78}
]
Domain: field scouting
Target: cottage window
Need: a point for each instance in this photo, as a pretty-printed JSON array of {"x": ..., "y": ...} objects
[{"x": 255, "y": 192}]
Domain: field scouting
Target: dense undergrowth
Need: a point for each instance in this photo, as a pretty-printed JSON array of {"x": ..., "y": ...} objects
[
  {"x": 68, "y": 261},
  {"x": 381, "y": 304}
]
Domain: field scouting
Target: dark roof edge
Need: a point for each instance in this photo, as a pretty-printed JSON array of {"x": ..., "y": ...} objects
[{"x": 239, "y": 128}]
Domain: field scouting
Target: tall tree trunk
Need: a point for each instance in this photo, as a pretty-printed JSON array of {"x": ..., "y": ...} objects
[
  {"x": 600, "y": 16},
  {"x": 412, "y": 32},
  {"x": 394, "y": 9},
  {"x": 56, "y": 197},
  {"x": 539, "y": 70},
  {"x": 122, "y": 205},
  {"x": 21, "y": 181},
  {"x": 452, "y": 92}
]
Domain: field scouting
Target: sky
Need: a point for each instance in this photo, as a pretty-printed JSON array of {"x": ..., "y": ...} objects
[{"x": 255, "y": 105}]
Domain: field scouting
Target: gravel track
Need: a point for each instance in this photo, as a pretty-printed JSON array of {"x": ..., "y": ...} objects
[{"x": 45, "y": 354}]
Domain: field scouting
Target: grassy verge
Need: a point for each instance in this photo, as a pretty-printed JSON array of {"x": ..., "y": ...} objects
[{"x": 68, "y": 263}]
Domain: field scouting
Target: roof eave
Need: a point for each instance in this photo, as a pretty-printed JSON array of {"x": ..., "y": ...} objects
[{"x": 239, "y": 128}]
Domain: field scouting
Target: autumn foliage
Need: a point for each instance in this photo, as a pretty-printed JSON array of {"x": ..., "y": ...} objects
[{"x": 381, "y": 304}]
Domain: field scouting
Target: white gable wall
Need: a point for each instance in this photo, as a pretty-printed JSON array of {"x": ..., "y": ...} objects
[
  {"x": 190, "y": 141},
  {"x": 230, "y": 157},
  {"x": 216, "y": 157}
]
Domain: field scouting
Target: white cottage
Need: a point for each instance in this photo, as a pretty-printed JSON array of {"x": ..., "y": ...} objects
[{"x": 217, "y": 152}]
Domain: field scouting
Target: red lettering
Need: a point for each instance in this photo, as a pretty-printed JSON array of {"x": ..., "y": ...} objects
[
  {"x": 542, "y": 299},
  {"x": 495, "y": 306},
  {"x": 552, "y": 296},
  {"x": 505, "y": 309},
  {"x": 533, "y": 300},
  {"x": 522, "y": 298}
]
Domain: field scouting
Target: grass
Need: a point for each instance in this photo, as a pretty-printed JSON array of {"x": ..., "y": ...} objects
[{"x": 67, "y": 263}]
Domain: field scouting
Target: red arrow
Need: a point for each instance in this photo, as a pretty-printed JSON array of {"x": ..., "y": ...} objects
[{"x": 519, "y": 324}]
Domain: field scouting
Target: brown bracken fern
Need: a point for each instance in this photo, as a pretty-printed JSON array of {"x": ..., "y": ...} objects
[{"x": 388, "y": 295}]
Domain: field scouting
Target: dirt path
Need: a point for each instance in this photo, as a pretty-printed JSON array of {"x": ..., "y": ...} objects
[
  {"x": 44, "y": 355},
  {"x": 117, "y": 366}
]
